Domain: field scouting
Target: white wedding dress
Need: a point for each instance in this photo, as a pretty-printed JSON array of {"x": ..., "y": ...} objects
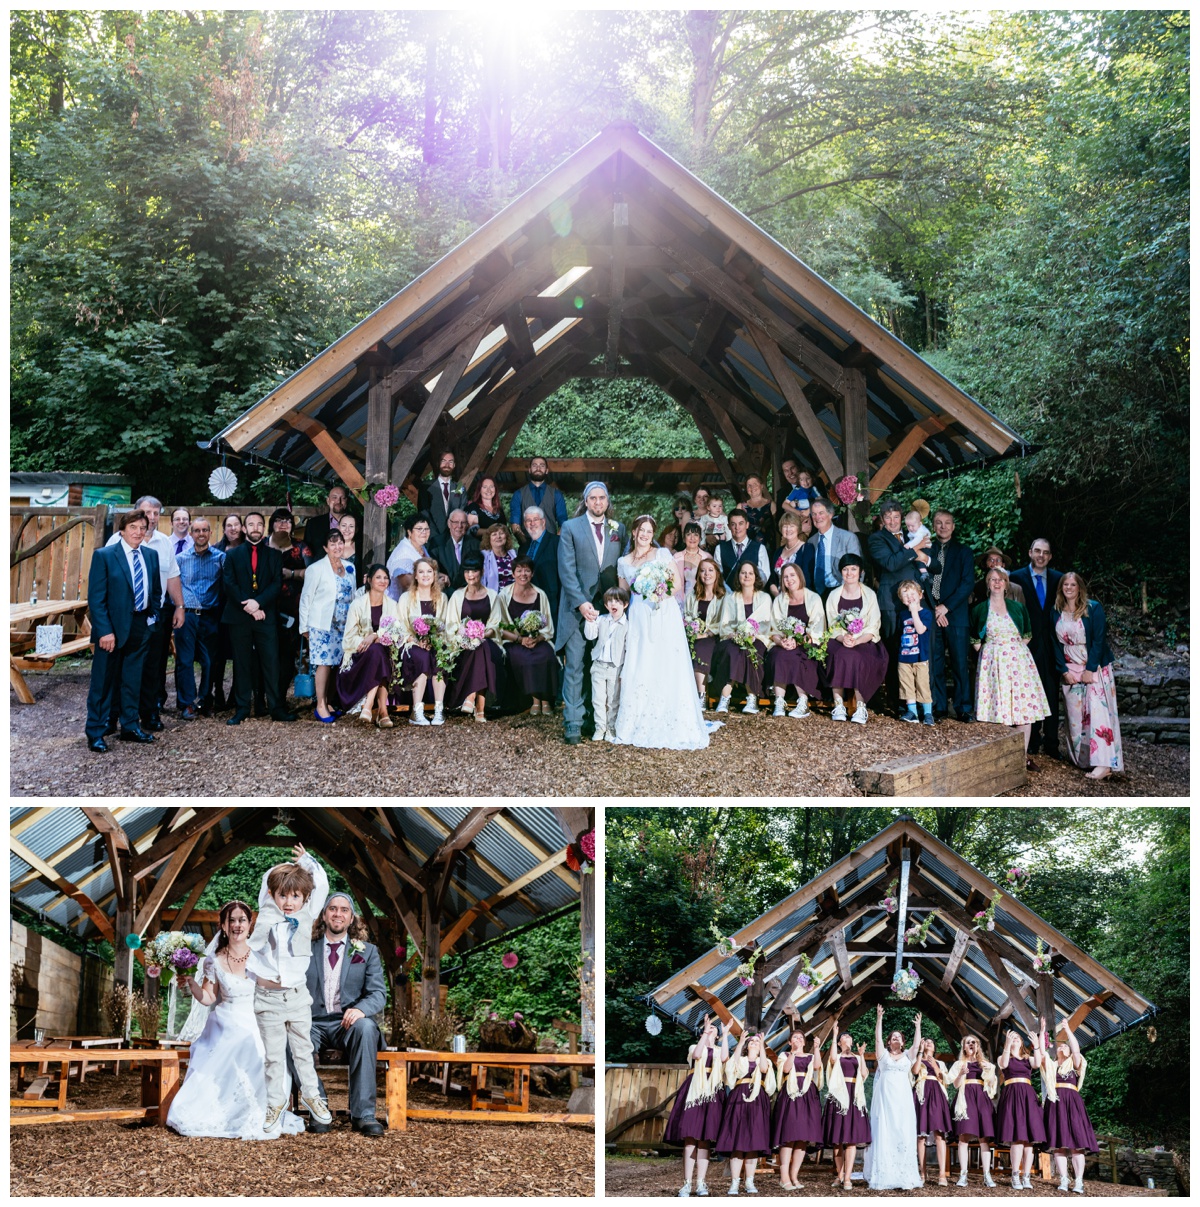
[
  {"x": 890, "y": 1162},
  {"x": 659, "y": 704},
  {"x": 225, "y": 1091}
]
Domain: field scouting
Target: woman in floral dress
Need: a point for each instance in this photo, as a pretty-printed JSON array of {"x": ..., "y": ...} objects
[
  {"x": 1089, "y": 691},
  {"x": 1009, "y": 690}
]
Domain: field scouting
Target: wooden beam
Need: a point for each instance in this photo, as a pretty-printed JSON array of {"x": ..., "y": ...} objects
[
  {"x": 463, "y": 833},
  {"x": 115, "y": 839},
  {"x": 65, "y": 886},
  {"x": 187, "y": 911},
  {"x": 326, "y": 444},
  {"x": 1085, "y": 1008},
  {"x": 431, "y": 962},
  {"x": 205, "y": 819},
  {"x": 158, "y": 895},
  {"x": 706, "y": 331},
  {"x": 423, "y": 425},
  {"x": 718, "y": 1007},
  {"x": 962, "y": 939},
  {"x": 904, "y": 452},
  {"x": 1010, "y": 989},
  {"x": 855, "y": 437},
  {"x": 363, "y": 826},
  {"x": 516, "y": 329},
  {"x": 711, "y": 389},
  {"x": 841, "y": 957},
  {"x": 620, "y": 237},
  {"x": 797, "y": 400},
  {"x": 242, "y": 837},
  {"x": 378, "y": 461}
]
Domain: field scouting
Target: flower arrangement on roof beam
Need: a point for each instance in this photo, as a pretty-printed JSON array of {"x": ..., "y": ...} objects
[
  {"x": 890, "y": 903},
  {"x": 1017, "y": 878},
  {"x": 985, "y": 919},
  {"x": 724, "y": 945},
  {"x": 808, "y": 977},
  {"x": 918, "y": 932},
  {"x": 581, "y": 855},
  {"x": 1043, "y": 958},
  {"x": 905, "y": 983}
]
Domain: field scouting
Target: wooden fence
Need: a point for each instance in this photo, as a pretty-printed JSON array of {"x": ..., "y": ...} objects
[
  {"x": 60, "y": 567},
  {"x": 630, "y": 1089}
]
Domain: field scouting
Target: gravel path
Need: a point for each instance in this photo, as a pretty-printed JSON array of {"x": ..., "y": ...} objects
[
  {"x": 658, "y": 1177},
  {"x": 515, "y": 756}
]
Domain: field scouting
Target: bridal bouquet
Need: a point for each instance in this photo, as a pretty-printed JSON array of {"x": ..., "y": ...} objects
[
  {"x": 744, "y": 637},
  {"x": 905, "y": 983},
  {"x": 530, "y": 624},
  {"x": 472, "y": 633},
  {"x": 173, "y": 952},
  {"x": 655, "y": 582}
]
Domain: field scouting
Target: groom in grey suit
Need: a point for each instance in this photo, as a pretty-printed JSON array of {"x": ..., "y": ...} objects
[
  {"x": 345, "y": 978},
  {"x": 588, "y": 549}
]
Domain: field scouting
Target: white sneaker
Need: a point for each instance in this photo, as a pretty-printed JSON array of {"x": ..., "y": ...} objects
[
  {"x": 1078, "y": 1187},
  {"x": 962, "y": 1179},
  {"x": 1025, "y": 1183},
  {"x": 1064, "y": 1185},
  {"x": 438, "y": 719},
  {"x": 839, "y": 713},
  {"x": 860, "y": 715},
  {"x": 702, "y": 1190},
  {"x": 685, "y": 1192},
  {"x": 750, "y": 706},
  {"x": 723, "y": 706},
  {"x": 1016, "y": 1181},
  {"x": 318, "y": 1109},
  {"x": 987, "y": 1180},
  {"x": 750, "y": 1187},
  {"x": 801, "y": 710},
  {"x": 417, "y": 716},
  {"x": 780, "y": 707},
  {"x": 733, "y": 1187}
]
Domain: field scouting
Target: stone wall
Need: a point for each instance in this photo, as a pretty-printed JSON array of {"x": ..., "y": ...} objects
[
  {"x": 1138, "y": 1166},
  {"x": 1153, "y": 698},
  {"x": 48, "y": 983}
]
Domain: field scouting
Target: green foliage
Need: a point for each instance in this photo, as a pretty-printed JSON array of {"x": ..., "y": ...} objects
[{"x": 543, "y": 986}]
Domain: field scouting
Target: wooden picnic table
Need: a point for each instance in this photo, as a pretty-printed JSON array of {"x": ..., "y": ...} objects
[
  {"x": 160, "y": 1081},
  {"x": 23, "y": 620},
  {"x": 514, "y": 1108}
]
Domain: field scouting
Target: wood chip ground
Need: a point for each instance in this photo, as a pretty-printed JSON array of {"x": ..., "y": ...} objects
[{"x": 752, "y": 756}]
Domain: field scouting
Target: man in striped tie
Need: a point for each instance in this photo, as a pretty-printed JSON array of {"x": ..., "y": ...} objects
[{"x": 123, "y": 586}]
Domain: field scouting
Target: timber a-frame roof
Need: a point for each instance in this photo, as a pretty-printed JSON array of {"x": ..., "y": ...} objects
[
  {"x": 975, "y": 981},
  {"x": 489, "y": 870},
  {"x": 619, "y": 261}
]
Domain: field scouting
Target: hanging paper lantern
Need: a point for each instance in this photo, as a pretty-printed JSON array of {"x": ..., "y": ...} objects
[
  {"x": 222, "y": 482},
  {"x": 133, "y": 942},
  {"x": 654, "y": 1024}
]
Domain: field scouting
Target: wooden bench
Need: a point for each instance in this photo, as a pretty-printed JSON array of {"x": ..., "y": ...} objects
[
  {"x": 23, "y": 620},
  {"x": 160, "y": 1082}
]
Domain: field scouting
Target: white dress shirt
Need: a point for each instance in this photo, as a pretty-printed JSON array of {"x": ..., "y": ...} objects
[
  {"x": 763, "y": 562},
  {"x": 164, "y": 546},
  {"x": 333, "y": 976}
]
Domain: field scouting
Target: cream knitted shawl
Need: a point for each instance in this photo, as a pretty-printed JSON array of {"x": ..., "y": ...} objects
[
  {"x": 705, "y": 1081},
  {"x": 988, "y": 1077},
  {"x": 738, "y": 1067},
  {"x": 790, "y": 1082}
]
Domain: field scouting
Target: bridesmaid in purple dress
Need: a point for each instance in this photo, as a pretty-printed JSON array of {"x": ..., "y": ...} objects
[
  {"x": 933, "y": 1107},
  {"x": 745, "y": 1132},
  {"x": 796, "y": 1119},
  {"x": 747, "y": 602},
  {"x": 975, "y": 1080},
  {"x": 418, "y": 663},
  {"x": 855, "y": 663},
  {"x": 1019, "y": 1120},
  {"x": 696, "y": 1115},
  {"x": 847, "y": 1124},
  {"x": 367, "y": 669},
  {"x": 532, "y": 660},
  {"x": 788, "y": 662},
  {"x": 703, "y": 604},
  {"x": 478, "y": 671},
  {"x": 1068, "y": 1129}
]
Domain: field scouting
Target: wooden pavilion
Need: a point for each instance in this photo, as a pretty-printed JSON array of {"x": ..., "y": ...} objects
[
  {"x": 618, "y": 262},
  {"x": 973, "y": 979},
  {"x": 449, "y": 876}
]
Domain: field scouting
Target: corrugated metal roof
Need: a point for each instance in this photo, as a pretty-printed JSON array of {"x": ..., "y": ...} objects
[
  {"x": 975, "y": 982},
  {"x": 65, "y": 832}
]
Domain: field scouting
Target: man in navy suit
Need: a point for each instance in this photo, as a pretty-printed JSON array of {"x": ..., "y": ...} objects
[
  {"x": 1040, "y": 585},
  {"x": 541, "y": 548},
  {"x": 948, "y": 588},
  {"x": 123, "y": 587},
  {"x": 454, "y": 548}
]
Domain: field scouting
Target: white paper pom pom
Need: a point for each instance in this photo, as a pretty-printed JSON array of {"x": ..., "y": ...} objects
[{"x": 654, "y": 1024}]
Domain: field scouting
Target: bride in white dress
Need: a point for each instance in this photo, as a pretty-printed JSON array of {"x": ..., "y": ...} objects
[
  {"x": 659, "y": 707},
  {"x": 225, "y": 1091},
  {"x": 891, "y": 1160}
]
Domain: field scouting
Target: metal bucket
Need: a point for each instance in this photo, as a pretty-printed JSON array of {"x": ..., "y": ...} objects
[{"x": 459, "y": 1044}]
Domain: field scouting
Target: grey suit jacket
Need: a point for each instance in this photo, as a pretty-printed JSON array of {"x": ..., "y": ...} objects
[
  {"x": 843, "y": 542},
  {"x": 583, "y": 578},
  {"x": 362, "y": 981}
]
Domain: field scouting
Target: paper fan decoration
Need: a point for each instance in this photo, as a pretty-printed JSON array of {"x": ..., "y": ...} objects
[
  {"x": 222, "y": 482},
  {"x": 654, "y": 1025}
]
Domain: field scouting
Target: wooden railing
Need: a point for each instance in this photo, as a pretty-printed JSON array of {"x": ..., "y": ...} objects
[{"x": 631, "y": 1090}]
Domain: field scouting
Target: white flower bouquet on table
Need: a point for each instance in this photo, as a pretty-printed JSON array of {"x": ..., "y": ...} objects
[{"x": 655, "y": 582}]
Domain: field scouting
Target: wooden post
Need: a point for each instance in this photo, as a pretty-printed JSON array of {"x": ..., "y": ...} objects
[
  {"x": 431, "y": 965},
  {"x": 397, "y": 1094},
  {"x": 754, "y": 1001},
  {"x": 378, "y": 461},
  {"x": 902, "y": 912},
  {"x": 123, "y": 922},
  {"x": 587, "y": 968},
  {"x": 855, "y": 437}
]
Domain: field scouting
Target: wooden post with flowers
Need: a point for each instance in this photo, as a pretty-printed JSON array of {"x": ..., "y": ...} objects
[
  {"x": 578, "y": 827},
  {"x": 378, "y": 462}
]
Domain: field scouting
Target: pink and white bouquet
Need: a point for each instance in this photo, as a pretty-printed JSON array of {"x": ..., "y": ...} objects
[
  {"x": 655, "y": 582},
  {"x": 745, "y": 634},
  {"x": 985, "y": 919},
  {"x": 793, "y": 627},
  {"x": 389, "y": 634},
  {"x": 472, "y": 633},
  {"x": 693, "y": 628},
  {"x": 849, "y": 622},
  {"x": 1043, "y": 958},
  {"x": 1017, "y": 877},
  {"x": 444, "y": 645},
  {"x": 386, "y": 496}
]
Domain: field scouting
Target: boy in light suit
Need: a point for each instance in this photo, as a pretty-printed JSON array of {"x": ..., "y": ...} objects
[{"x": 608, "y": 655}]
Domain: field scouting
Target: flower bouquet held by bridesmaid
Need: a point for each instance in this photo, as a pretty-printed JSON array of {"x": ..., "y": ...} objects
[
  {"x": 696, "y": 1115},
  {"x": 745, "y": 1133},
  {"x": 796, "y": 1119}
]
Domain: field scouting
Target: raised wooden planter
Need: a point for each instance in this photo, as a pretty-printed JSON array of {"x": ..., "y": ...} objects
[{"x": 985, "y": 768}]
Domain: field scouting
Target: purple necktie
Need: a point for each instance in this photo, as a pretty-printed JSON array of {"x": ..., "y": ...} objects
[
  {"x": 599, "y": 530},
  {"x": 333, "y": 954}
]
